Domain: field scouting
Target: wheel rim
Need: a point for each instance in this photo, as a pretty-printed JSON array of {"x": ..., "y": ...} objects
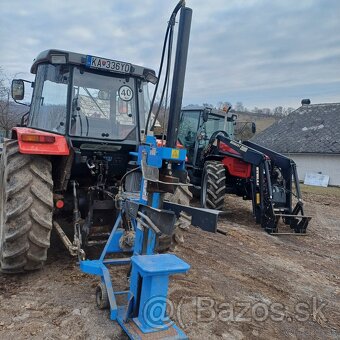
[{"x": 204, "y": 191}]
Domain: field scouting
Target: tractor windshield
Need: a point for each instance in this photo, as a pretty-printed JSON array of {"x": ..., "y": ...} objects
[
  {"x": 194, "y": 133},
  {"x": 100, "y": 106},
  {"x": 192, "y": 127},
  {"x": 103, "y": 106},
  {"x": 214, "y": 123}
]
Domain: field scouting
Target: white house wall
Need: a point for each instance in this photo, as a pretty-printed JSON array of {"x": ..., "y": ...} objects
[{"x": 318, "y": 163}]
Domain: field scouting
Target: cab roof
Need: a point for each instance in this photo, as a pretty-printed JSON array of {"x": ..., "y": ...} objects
[
  {"x": 80, "y": 59},
  {"x": 201, "y": 108}
]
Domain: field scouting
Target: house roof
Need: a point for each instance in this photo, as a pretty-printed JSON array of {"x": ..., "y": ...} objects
[{"x": 313, "y": 128}]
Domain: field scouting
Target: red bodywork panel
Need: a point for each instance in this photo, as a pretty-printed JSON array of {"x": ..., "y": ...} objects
[
  {"x": 227, "y": 148},
  {"x": 59, "y": 147},
  {"x": 235, "y": 166}
]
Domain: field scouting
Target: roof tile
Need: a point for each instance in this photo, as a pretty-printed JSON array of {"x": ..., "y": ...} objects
[{"x": 313, "y": 128}]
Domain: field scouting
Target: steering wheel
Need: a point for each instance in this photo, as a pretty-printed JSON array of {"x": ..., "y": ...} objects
[
  {"x": 215, "y": 134},
  {"x": 212, "y": 139}
]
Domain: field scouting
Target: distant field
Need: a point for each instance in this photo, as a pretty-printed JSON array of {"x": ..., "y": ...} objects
[
  {"x": 262, "y": 121},
  {"x": 329, "y": 191}
]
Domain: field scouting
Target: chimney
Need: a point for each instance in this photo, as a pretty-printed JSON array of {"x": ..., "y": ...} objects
[{"x": 305, "y": 101}]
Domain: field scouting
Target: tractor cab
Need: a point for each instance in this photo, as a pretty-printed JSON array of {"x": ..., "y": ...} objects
[
  {"x": 197, "y": 125},
  {"x": 87, "y": 115},
  {"x": 88, "y": 98},
  {"x": 94, "y": 107}
]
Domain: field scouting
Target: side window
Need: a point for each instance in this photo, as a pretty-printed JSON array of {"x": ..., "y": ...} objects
[
  {"x": 48, "y": 111},
  {"x": 188, "y": 128},
  {"x": 144, "y": 105}
]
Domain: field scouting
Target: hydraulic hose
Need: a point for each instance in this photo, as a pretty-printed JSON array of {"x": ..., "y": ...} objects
[{"x": 171, "y": 23}]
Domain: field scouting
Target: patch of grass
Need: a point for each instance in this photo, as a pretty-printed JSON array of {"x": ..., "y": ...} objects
[{"x": 329, "y": 191}]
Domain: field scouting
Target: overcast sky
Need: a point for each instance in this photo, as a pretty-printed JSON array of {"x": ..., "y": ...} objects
[{"x": 260, "y": 52}]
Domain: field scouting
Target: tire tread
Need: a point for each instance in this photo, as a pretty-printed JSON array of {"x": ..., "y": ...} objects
[
  {"x": 26, "y": 198},
  {"x": 214, "y": 174}
]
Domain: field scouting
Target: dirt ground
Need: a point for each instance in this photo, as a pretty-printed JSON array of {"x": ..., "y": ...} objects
[{"x": 242, "y": 285}]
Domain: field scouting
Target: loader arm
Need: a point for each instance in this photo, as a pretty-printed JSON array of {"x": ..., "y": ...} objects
[
  {"x": 244, "y": 152},
  {"x": 270, "y": 200}
]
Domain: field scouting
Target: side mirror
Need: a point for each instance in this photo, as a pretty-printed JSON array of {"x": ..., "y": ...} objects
[
  {"x": 205, "y": 114},
  {"x": 253, "y": 127},
  {"x": 18, "y": 89}
]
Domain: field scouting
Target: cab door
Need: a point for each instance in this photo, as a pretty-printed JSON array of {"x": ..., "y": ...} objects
[{"x": 187, "y": 134}]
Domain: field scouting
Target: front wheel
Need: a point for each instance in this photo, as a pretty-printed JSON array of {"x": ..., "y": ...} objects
[
  {"x": 102, "y": 298},
  {"x": 26, "y": 207},
  {"x": 213, "y": 185}
]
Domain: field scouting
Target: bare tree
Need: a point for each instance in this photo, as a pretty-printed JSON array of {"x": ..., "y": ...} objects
[
  {"x": 163, "y": 114},
  {"x": 278, "y": 111},
  {"x": 208, "y": 105},
  {"x": 222, "y": 105},
  {"x": 239, "y": 107},
  {"x": 266, "y": 111},
  {"x": 288, "y": 110},
  {"x": 10, "y": 114}
]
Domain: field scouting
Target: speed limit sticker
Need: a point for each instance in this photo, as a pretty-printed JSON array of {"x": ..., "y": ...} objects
[{"x": 125, "y": 93}]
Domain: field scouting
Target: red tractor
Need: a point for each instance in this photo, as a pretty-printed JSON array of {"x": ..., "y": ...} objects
[
  {"x": 63, "y": 164},
  {"x": 218, "y": 164}
]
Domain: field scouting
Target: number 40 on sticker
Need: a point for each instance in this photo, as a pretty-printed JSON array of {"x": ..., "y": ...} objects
[{"x": 125, "y": 93}]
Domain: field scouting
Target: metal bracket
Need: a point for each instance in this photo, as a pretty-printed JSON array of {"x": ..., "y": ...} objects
[
  {"x": 164, "y": 220},
  {"x": 205, "y": 219},
  {"x": 150, "y": 173}
]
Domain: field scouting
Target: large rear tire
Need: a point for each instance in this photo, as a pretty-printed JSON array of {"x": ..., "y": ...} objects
[
  {"x": 26, "y": 207},
  {"x": 213, "y": 185}
]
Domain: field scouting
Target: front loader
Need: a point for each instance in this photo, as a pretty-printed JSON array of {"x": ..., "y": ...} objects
[{"x": 218, "y": 164}]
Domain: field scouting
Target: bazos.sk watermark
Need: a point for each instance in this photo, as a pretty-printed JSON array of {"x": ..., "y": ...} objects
[{"x": 204, "y": 309}]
